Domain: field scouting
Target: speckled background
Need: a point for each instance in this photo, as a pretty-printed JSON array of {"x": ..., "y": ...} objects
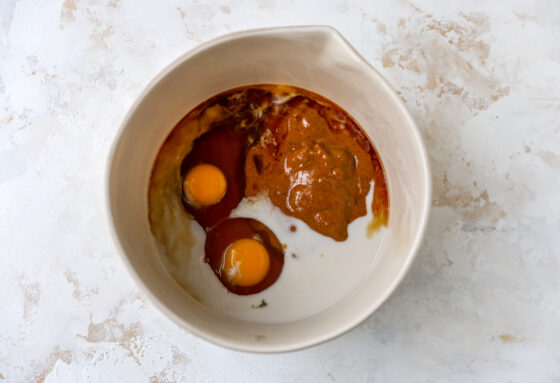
[{"x": 482, "y": 302}]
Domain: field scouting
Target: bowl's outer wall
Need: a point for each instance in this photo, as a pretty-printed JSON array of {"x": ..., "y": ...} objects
[{"x": 315, "y": 58}]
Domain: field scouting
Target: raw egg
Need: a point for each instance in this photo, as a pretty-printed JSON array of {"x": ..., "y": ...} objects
[
  {"x": 246, "y": 262},
  {"x": 213, "y": 175},
  {"x": 244, "y": 254},
  {"x": 205, "y": 185}
]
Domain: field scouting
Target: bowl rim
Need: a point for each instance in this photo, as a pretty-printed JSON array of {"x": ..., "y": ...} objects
[{"x": 217, "y": 339}]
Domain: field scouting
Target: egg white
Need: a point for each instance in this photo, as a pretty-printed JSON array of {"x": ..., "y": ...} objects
[{"x": 322, "y": 272}]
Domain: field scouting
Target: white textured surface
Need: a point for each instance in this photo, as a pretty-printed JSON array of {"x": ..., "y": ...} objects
[{"x": 482, "y": 302}]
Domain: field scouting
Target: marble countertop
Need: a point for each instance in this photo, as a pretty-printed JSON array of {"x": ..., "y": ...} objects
[{"x": 482, "y": 301}]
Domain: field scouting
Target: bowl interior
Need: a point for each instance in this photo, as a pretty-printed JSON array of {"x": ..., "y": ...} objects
[{"x": 314, "y": 58}]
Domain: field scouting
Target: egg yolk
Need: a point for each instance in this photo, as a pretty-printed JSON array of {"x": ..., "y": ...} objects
[
  {"x": 246, "y": 262},
  {"x": 205, "y": 185}
]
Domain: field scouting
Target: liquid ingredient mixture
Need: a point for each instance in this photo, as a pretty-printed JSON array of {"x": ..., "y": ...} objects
[{"x": 293, "y": 146}]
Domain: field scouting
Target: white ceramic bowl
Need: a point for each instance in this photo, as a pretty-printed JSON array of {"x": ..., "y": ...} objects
[{"x": 316, "y": 58}]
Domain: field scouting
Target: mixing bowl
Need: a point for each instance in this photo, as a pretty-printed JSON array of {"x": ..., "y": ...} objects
[{"x": 316, "y": 58}]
